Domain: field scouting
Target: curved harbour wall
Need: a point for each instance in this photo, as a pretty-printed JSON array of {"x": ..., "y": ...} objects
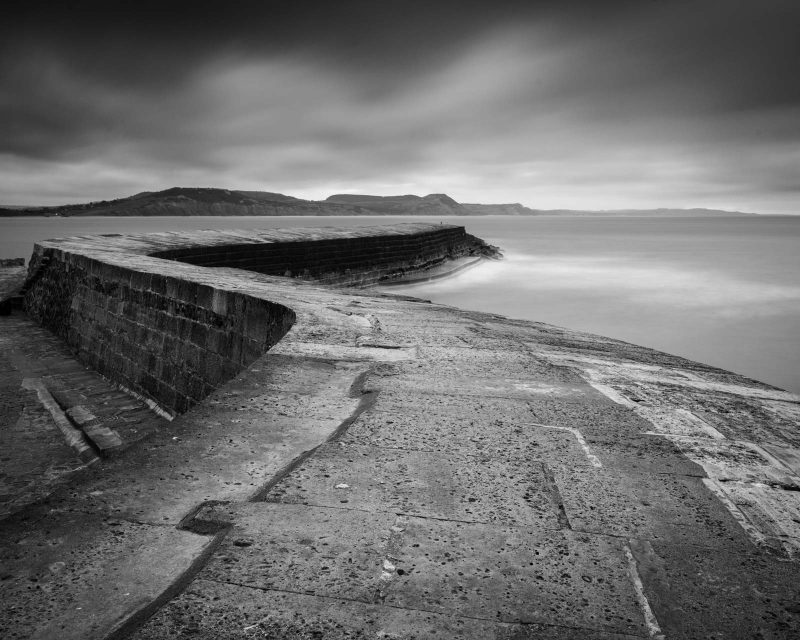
[
  {"x": 138, "y": 310},
  {"x": 461, "y": 442},
  {"x": 356, "y": 260}
]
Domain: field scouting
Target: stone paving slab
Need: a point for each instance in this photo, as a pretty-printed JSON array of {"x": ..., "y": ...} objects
[
  {"x": 35, "y": 458},
  {"x": 569, "y": 448},
  {"x": 471, "y": 487},
  {"x": 516, "y": 575},
  {"x": 702, "y": 593},
  {"x": 737, "y": 461},
  {"x": 210, "y": 610},
  {"x": 502, "y": 386},
  {"x": 788, "y": 456},
  {"x": 491, "y": 573},
  {"x": 60, "y": 562},
  {"x": 591, "y": 414},
  {"x": 643, "y": 453},
  {"x": 773, "y": 512},
  {"x": 746, "y": 418},
  {"x": 427, "y": 330},
  {"x": 667, "y": 507},
  {"x": 456, "y": 422},
  {"x": 478, "y": 362},
  {"x": 512, "y": 360},
  {"x": 319, "y": 551},
  {"x": 453, "y": 422}
]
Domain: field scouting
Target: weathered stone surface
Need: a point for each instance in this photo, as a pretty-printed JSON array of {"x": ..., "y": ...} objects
[
  {"x": 492, "y": 573},
  {"x": 35, "y": 459},
  {"x": 79, "y": 575},
  {"x": 104, "y": 438},
  {"x": 470, "y": 486},
  {"x": 501, "y": 479},
  {"x": 134, "y": 309},
  {"x": 12, "y": 277},
  {"x": 211, "y": 610}
]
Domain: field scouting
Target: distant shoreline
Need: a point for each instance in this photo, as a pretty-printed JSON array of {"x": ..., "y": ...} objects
[
  {"x": 207, "y": 201},
  {"x": 6, "y": 213}
]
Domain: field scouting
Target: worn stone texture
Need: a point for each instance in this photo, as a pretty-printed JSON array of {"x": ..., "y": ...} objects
[
  {"x": 34, "y": 457},
  {"x": 136, "y": 309},
  {"x": 12, "y": 277},
  {"x": 399, "y": 469}
]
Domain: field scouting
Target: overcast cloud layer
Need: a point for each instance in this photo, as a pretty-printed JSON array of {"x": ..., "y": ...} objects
[{"x": 551, "y": 104}]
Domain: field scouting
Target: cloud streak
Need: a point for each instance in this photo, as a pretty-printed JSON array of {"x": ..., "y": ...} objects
[{"x": 550, "y": 104}]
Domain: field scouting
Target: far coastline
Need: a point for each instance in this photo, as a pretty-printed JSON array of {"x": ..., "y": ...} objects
[{"x": 193, "y": 201}]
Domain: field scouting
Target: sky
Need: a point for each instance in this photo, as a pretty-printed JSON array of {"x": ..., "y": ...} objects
[{"x": 585, "y": 105}]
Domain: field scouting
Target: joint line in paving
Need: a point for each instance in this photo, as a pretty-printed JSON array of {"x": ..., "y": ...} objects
[
  {"x": 556, "y": 497},
  {"x": 367, "y": 400},
  {"x": 406, "y": 514},
  {"x": 593, "y": 459},
  {"x": 138, "y": 619},
  {"x": 401, "y": 608},
  {"x": 649, "y": 617}
]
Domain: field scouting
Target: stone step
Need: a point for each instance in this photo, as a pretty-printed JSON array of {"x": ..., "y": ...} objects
[{"x": 105, "y": 439}]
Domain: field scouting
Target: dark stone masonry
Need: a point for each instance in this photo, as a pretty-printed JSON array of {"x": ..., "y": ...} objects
[{"x": 173, "y": 333}]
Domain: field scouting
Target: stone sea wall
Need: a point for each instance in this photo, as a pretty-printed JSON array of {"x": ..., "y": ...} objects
[
  {"x": 167, "y": 338},
  {"x": 354, "y": 261},
  {"x": 140, "y": 311}
]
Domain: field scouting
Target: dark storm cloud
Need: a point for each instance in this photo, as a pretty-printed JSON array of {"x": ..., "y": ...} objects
[{"x": 550, "y": 103}]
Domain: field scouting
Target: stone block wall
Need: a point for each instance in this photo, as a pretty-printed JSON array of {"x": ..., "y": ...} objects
[
  {"x": 156, "y": 328},
  {"x": 357, "y": 261},
  {"x": 166, "y": 338}
]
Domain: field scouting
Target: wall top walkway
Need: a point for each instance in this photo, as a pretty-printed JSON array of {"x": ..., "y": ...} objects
[
  {"x": 150, "y": 243},
  {"x": 174, "y": 332}
]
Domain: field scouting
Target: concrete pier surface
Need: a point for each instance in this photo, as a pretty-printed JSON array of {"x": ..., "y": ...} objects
[{"x": 393, "y": 468}]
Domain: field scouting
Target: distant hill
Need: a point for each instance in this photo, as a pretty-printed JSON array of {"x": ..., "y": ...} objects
[
  {"x": 513, "y": 209},
  {"x": 435, "y": 204},
  {"x": 182, "y": 201},
  {"x": 204, "y": 201},
  {"x": 516, "y": 209}
]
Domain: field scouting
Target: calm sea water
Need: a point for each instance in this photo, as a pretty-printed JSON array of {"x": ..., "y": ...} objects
[{"x": 724, "y": 291}]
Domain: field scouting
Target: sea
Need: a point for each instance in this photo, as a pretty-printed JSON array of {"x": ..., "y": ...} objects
[{"x": 724, "y": 291}]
